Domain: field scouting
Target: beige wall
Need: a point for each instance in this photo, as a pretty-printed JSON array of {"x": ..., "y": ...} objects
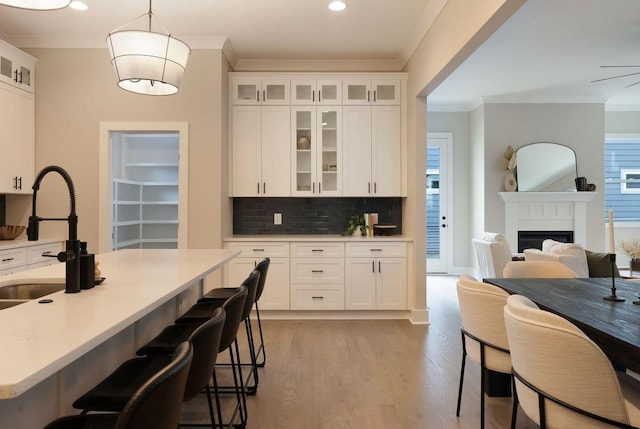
[
  {"x": 76, "y": 90},
  {"x": 459, "y": 29}
]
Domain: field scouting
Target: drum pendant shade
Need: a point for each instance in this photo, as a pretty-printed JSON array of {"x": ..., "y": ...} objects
[
  {"x": 36, "y": 4},
  {"x": 147, "y": 62}
]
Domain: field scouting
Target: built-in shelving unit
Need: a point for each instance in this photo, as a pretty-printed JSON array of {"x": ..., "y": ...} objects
[{"x": 145, "y": 191}]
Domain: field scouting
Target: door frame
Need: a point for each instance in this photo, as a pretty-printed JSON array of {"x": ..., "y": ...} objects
[
  {"x": 446, "y": 188},
  {"x": 105, "y": 189}
]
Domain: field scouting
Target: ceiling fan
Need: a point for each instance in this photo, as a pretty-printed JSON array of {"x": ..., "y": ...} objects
[{"x": 619, "y": 76}]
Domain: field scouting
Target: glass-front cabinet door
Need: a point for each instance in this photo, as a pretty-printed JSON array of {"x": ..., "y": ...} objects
[
  {"x": 317, "y": 146},
  {"x": 330, "y": 151},
  {"x": 256, "y": 91},
  {"x": 304, "y": 140},
  {"x": 307, "y": 92}
]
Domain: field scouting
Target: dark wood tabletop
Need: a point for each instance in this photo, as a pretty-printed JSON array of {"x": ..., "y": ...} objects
[{"x": 614, "y": 326}]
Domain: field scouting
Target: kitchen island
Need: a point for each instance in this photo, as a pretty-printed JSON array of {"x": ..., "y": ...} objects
[{"x": 53, "y": 352}]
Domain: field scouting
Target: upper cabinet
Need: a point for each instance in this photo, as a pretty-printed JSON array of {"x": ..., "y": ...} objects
[
  {"x": 311, "y": 91},
  {"x": 317, "y": 134},
  {"x": 17, "y": 120},
  {"x": 378, "y": 91},
  {"x": 257, "y": 91},
  {"x": 17, "y": 67}
]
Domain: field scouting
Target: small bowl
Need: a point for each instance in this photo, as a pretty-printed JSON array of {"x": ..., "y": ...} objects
[{"x": 11, "y": 232}]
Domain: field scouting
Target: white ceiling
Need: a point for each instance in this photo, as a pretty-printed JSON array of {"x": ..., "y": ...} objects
[
  {"x": 255, "y": 29},
  {"x": 550, "y": 51}
]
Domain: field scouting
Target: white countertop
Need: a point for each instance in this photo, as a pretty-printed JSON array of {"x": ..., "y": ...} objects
[
  {"x": 314, "y": 237},
  {"x": 22, "y": 242},
  {"x": 40, "y": 339}
]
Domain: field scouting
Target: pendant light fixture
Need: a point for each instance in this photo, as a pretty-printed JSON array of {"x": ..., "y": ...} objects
[
  {"x": 147, "y": 62},
  {"x": 36, "y": 4}
]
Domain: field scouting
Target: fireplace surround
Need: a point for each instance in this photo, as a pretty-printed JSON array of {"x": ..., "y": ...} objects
[{"x": 551, "y": 212}]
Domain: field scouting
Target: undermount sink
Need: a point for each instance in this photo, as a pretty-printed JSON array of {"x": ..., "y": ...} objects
[
  {"x": 7, "y": 303},
  {"x": 27, "y": 291}
]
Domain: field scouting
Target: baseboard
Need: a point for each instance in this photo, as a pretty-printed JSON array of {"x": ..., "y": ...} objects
[
  {"x": 333, "y": 315},
  {"x": 419, "y": 317}
]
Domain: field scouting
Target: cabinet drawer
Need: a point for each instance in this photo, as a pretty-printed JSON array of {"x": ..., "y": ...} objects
[
  {"x": 261, "y": 249},
  {"x": 37, "y": 254},
  {"x": 366, "y": 250},
  {"x": 303, "y": 298},
  {"x": 13, "y": 258},
  {"x": 317, "y": 250},
  {"x": 326, "y": 270}
]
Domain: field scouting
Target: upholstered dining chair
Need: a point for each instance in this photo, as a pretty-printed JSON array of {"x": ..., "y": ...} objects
[
  {"x": 538, "y": 269},
  {"x": 484, "y": 338},
  {"x": 562, "y": 379}
]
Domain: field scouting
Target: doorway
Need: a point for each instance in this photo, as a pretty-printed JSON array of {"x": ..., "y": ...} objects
[
  {"x": 143, "y": 185},
  {"x": 438, "y": 212}
]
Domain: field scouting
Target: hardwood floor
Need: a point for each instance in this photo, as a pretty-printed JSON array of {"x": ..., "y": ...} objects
[{"x": 369, "y": 374}]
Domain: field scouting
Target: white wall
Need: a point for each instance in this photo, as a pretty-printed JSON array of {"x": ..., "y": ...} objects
[{"x": 579, "y": 126}]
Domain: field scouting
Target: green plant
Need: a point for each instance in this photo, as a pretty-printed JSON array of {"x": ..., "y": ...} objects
[{"x": 355, "y": 222}]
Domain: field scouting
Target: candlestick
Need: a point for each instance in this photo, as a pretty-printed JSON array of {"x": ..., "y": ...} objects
[
  {"x": 613, "y": 296},
  {"x": 612, "y": 246}
]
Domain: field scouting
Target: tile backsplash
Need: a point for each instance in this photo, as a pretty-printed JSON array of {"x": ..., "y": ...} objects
[{"x": 254, "y": 216}]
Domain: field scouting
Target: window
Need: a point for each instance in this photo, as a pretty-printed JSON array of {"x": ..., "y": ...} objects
[{"x": 622, "y": 177}]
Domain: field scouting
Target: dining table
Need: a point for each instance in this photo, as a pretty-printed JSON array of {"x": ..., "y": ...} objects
[{"x": 613, "y": 325}]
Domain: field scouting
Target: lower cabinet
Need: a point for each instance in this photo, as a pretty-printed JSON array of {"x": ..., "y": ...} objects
[
  {"x": 27, "y": 256},
  {"x": 363, "y": 275},
  {"x": 376, "y": 277},
  {"x": 276, "y": 290},
  {"x": 317, "y": 276}
]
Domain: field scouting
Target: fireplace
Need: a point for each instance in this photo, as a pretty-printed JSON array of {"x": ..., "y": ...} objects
[
  {"x": 534, "y": 239},
  {"x": 545, "y": 213}
]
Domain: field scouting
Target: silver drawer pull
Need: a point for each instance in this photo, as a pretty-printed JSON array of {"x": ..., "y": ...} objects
[
  {"x": 7, "y": 259},
  {"x": 376, "y": 250},
  {"x": 317, "y": 297},
  {"x": 258, "y": 250},
  {"x": 317, "y": 271},
  {"x": 317, "y": 250}
]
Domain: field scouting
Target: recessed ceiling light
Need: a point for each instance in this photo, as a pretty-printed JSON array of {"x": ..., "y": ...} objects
[
  {"x": 78, "y": 5},
  {"x": 337, "y": 5}
]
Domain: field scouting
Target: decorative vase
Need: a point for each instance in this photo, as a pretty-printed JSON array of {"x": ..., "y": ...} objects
[{"x": 510, "y": 183}]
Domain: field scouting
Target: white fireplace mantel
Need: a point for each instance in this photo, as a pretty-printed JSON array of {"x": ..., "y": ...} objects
[{"x": 545, "y": 211}]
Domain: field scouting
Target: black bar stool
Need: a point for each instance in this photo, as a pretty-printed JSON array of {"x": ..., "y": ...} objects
[
  {"x": 155, "y": 405},
  {"x": 218, "y": 294},
  {"x": 113, "y": 392}
]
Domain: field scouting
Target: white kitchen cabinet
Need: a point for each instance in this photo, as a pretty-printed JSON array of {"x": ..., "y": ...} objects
[
  {"x": 17, "y": 120},
  {"x": 17, "y": 67},
  {"x": 317, "y": 151},
  {"x": 367, "y": 92},
  {"x": 317, "y": 276},
  {"x": 261, "y": 151},
  {"x": 276, "y": 290},
  {"x": 29, "y": 254},
  {"x": 372, "y": 151},
  {"x": 311, "y": 91},
  {"x": 260, "y": 91},
  {"x": 376, "y": 276}
]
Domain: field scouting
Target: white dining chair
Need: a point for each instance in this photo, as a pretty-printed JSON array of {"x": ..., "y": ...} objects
[
  {"x": 562, "y": 379},
  {"x": 537, "y": 269},
  {"x": 484, "y": 338}
]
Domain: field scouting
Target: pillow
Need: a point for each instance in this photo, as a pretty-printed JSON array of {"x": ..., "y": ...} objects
[
  {"x": 580, "y": 267},
  {"x": 600, "y": 265}
]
